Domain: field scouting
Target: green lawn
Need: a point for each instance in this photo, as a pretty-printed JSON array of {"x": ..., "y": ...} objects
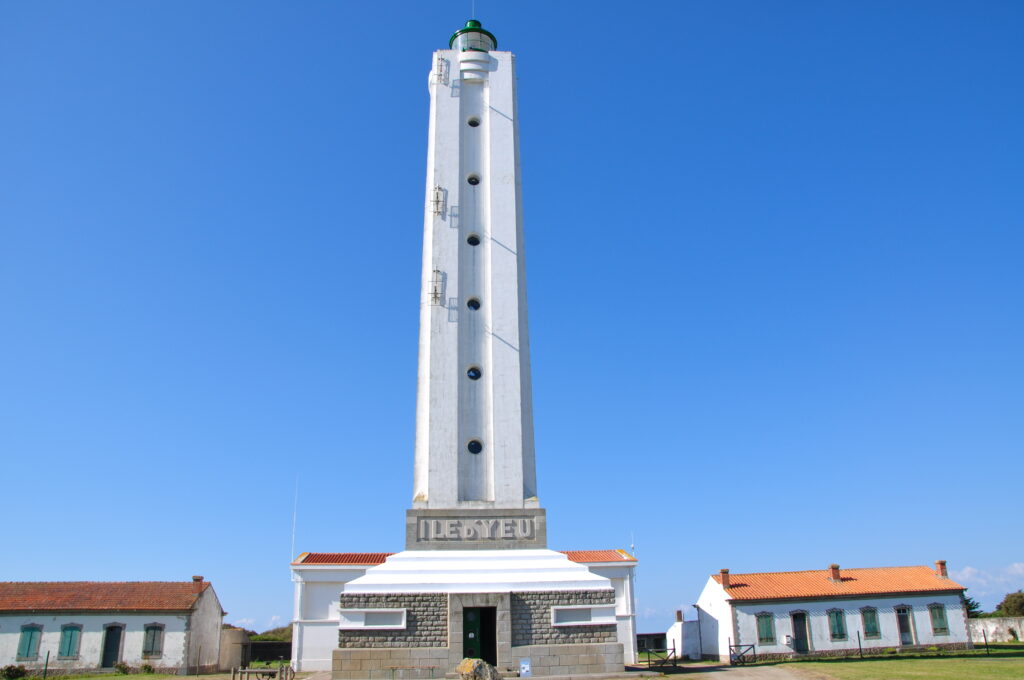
[{"x": 1006, "y": 662}]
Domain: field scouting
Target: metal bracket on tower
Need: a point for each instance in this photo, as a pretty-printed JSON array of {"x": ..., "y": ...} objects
[
  {"x": 437, "y": 200},
  {"x": 437, "y": 288},
  {"x": 441, "y": 71}
]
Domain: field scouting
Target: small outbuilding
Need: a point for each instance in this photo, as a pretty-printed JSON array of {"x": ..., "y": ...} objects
[
  {"x": 79, "y": 626},
  {"x": 830, "y": 612}
]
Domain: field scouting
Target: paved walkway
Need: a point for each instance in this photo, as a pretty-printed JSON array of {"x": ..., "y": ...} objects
[{"x": 702, "y": 672}]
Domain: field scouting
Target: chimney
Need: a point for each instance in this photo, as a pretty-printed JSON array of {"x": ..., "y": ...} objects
[
  {"x": 197, "y": 584},
  {"x": 833, "y": 573},
  {"x": 940, "y": 569},
  {"x": 725, "y": 578},
  {"x": 679, "y": 615}
]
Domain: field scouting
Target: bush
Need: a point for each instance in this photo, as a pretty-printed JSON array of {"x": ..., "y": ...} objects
[
  {"x": 147, "y": 669},
  {"x": 13, "y": 672},
  {"x": 122, "y": 668}
]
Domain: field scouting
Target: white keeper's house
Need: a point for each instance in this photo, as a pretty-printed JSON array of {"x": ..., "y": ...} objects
[
  {"x": 80, "y": 626},
  {"x": 830, "y": 612}
]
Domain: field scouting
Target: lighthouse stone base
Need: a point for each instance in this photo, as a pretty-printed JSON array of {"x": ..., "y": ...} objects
[{"x": 420, "y": 613}]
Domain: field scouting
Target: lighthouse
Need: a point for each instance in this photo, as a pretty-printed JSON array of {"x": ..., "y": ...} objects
[
  {"x": 476, "y": 578},
  {"x": 475, "y": 482}
]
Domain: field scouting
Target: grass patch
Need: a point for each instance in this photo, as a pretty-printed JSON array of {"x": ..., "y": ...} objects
[{"x": 1006, "y": 662}]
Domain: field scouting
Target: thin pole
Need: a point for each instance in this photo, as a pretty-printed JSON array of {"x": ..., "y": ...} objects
[
  {"x": 46, "y": 666},
  {"x": 985, "y": 633},
  {"x": 295, "y": 512},
  {"x": 859, "y": 648}
]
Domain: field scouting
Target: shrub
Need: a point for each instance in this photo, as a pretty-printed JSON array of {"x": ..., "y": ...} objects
[
  {"x": 1013, "y": 634},
  {"x": 147, "y": 669},
  {"x": 122, "y": 668},
  {"x": 13, "y": 672}
]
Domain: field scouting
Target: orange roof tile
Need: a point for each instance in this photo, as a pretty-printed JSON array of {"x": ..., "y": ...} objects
[
  {"x": 785, "y": 585},
  {"x": 372, "y": 559},
  {"x": 599, "y": 555},
  {"x": 98, "y": 596}
]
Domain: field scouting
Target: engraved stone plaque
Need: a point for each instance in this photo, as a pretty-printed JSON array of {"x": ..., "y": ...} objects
[{"x": 483, "y": 529}]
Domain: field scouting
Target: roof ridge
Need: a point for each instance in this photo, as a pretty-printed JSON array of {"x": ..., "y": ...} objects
[{"x": 815, "y": 571}]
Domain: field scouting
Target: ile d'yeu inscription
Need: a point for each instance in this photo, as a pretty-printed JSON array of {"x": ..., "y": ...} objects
[{"x": 479, "y": 529}]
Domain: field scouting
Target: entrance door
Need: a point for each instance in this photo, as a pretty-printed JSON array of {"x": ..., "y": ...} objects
[
  {"x": 111, "y": 646},
  {"x": 479, "y": 638},
  {"x": 903, "y": 623},
  {"x": 800, "y": 645}
]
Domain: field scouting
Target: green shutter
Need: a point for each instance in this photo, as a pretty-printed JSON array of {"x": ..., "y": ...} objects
[
  {"x": 69, "y": 636},
  {"x": 28, "y": 646},
  {"x": 765, "y": 628},
  {"x": 152, "y": 643},
  {"x": 837, "y": 625},
  {"x": 871, "y": 623},
  {"x": 939, "y": 625}
]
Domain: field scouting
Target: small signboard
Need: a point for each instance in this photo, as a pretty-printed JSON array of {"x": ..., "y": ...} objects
[{"x": 524, "y": 668}]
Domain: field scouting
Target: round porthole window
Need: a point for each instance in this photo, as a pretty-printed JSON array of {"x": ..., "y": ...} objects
[
  {"x": 473, "y": 180},
  {"x": 474, "y": 373},
  {"x": 473, "y": 304},
  {"x": 475, "y": 446},
  {"x": 473, "y": 240},
  {"x": 473, "y": 122}
]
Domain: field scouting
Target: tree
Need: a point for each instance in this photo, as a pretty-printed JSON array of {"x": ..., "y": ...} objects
[
  {"x": 973, "y": 608},
  {"x": 1012, "y": 604}
]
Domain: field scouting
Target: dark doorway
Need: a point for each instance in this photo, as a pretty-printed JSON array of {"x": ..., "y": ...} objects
[
  {"x": 800, "y": 645},
  {"x": 479, "y": 634},
  {"x": 903, "y": 623},
  {"x": 111, "y": 647}
]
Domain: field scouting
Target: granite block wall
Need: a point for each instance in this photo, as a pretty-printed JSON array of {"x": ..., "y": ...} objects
[
  {"x": 426, "y": 621},
  {"x": 531, "y": 618}
]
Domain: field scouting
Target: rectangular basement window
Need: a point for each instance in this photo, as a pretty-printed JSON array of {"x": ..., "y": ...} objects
[
  {"x": 371, "y": 619},
  {"x": 583, "y": 615}
]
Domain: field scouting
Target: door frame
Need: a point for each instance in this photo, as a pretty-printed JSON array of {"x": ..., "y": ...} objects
[
  {"x": 910, "y": 621},
  {"x": 457, "y": 602},
  {"x": 807, "y": 629},
  {"x": 120, "y": 643}
]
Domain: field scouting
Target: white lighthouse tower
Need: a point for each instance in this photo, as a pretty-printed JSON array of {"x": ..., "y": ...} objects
[
  {"x": 476, "y": 578},
  {"x": 475, "y": 482}
]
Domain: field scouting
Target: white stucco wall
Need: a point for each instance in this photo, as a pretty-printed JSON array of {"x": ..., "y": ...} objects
[
  {"x": 997, "y": 629},
  {"x": 91, "y": 644},
  {"x": 622, "y": 578},
  {"x": 684, "y": 638},
  {"x": 317, "y": 591},
  {"x": 715, "y": 619},
  {"x": 204, "y": 632}
]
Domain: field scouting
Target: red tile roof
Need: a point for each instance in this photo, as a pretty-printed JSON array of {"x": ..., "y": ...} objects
[
  {"x": 98, "y": 596},
  {"x": 786, "y": 585},
  {"x": 372, "y": 559},
  {"x": 599, "y": 556}
]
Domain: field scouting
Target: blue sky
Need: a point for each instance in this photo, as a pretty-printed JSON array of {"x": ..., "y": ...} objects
[{"x": 774, "y": 261}]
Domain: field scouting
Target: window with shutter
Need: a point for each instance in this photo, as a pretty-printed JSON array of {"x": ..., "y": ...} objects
[
  {"x": 869, "y": 615},
  {"x": 28, "y": 645},
  {"x": 70, "y": 636},
  {"x": 938, "y": 616},
  {"x": 153, "y": 640},
  {"x": 837, "y": 624},
  {"x": 765, "y": 628}
]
